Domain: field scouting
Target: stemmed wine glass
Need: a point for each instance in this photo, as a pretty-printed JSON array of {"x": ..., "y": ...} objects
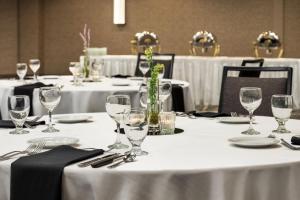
[
  {"x": 50, "y": 98},
  {"x": 116, "y": 107},
  {"x": 34, "y": 65},
  {"x": 144, "y": 68},
  {"x": 250, "y": 98},
  {"x": 165, "y": 89},
  {"x": 282, "y": 106},
  {"x": 136, "y": 129},
  {"x": 21, "y": 70},
  {"x": 18, "y": 107}
]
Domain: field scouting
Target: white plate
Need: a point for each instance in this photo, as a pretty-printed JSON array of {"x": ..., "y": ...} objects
[
  {"x": 234, "y": 120},
  {"x": 253, "y": 141},
  {"x": 120, "y": 82},
  {"x": 73, "y": 118},
  {"x": 51, "y": 142}
]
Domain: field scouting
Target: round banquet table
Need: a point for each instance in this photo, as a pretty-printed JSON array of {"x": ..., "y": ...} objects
[
  {"x": 198, "y": 164},
  {"x": 90, "y": 97}
]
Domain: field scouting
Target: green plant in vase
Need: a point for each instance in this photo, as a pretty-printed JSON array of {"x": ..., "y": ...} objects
[{"x": 153, "y": 107}]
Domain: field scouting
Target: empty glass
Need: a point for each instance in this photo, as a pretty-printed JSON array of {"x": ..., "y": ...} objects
[
  {"x": 34, "y": 65},
  {"x": 165, "y": 89},
  {"x": 18, "y": 107},
  {"x": 50, "y": 98},
  {"x": 167, "y": 122},
  {"x": 144, "y": 68},
  {"x": 250, "y": 98},
  {"x": 77, "y": 72},
  {"x": 96, "y": 71},
  {"x": 21, "y": 70},
  {"x": 282, "y": 106},
  {"x": 116, "y": 107},
  {"x": 143, "y": 93},
  {"x": 136, "y": 129}
]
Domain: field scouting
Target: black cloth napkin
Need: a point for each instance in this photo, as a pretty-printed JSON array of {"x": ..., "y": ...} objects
[
  {"x": 10, "y": 124},
  {"x": 177, "y": 98},
  {"x": 38, "y": 177},
  {"x": 295, "y": 140},
  {"x": 121, "y": 76},
  {"x": 28, "y": 90},
  {"x": 209, "y": 114}
]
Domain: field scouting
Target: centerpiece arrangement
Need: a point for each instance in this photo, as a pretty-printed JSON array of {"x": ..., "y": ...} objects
[
  {"x": 86, "y": 37},
  {"x": 153, "y": 103}
]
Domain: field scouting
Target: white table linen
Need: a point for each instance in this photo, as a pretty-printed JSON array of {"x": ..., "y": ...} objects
[
  {"x": 197, "y": 164},
  {"x": 203, "y": 73},
  {"x": 90, "y": 97}
]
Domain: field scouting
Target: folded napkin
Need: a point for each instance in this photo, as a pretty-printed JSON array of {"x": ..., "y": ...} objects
[
  {"x": 28, "y": 90},
  {"x": 10, "y": 124},
  {"x": 38, "y": 177},
  {"x": 209, "y": 114},
  {"x": 121, "y": 76},
  {"x": 295, "y": 140},
  {"x": 177, "y": 98}
]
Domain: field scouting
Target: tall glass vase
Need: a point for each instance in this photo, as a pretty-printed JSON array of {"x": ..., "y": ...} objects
[
  {"x": 153, "y": 108},
  {"x": 86, "y": 64}
]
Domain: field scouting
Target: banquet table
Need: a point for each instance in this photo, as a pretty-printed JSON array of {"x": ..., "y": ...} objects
[
  {"x": 197, "y": 164},
  {"x": 203, "y": 73},
  {"x": 90, "y": 97}
]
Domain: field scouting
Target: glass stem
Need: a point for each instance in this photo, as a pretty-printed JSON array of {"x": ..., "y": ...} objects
[
  {"x": 50, "y": 118},
  {"x": 118, "y": 139},
  {"x": 251, "y": 119},
  {"x": 19, "y": 128}
]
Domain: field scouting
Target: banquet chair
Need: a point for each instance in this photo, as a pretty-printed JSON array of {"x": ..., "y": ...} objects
[
  {"x": 273, "y": 80},
  {"x": 254, "y": 62},
  {"x": 166, "y": 59}
]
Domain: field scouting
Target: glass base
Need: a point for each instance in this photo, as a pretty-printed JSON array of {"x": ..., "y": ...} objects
[
  {"x": 250, "y": 131},
  {"x": 50, "y": 129},
  {"x": 281, "y": 130},
  {"x": 118, "y": 146},
  {"x": 138, "y": 152},
  {"x": 19, "y": 132}
]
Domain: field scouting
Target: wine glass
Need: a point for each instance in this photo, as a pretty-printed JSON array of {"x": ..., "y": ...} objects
[
  {"x": 282, "y": 106},
  {"x": 72, "y": 69},
  {"x": 136, "y": 129},
  {"x": 144, "y": 68},
  {"x": 96, "y": 67},
  {"x": 18, "y": 107},
  {"x": 50, "y": 98},
  {"x": 116, "y": 106},
  {"x": 165, "y": 89},
  {"x": 21, "y": 70},
  {"x": 250, "y": 98},
  {"x": 34, "y": 65},
  {"x": 143, "y": 93}
]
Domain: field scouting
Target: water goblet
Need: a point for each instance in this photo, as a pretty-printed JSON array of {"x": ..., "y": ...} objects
[
  {"x": 96, "y": 67},
  {"x": 282, "y": 106},
  {"x": 18, "y": 107},
  {"x": 50, "y": 98},
  {"x": 34, "y": 65},
  {"x": 143, "y": 94},
  {"x": 21, "y": 70},
  {"x": 72, "y": 69},
  {"x": 144, "y": 68},
  {"x": 136, "y": 129},
  {"x": 165, "y": 89},
  {"x": 116, "y": 106},
  {"x": 250, "y": 98}
]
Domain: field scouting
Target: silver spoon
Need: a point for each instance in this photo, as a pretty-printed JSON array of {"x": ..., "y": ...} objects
[{"x": 128, "y": 158}]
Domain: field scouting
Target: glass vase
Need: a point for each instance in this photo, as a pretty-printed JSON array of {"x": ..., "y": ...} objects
[
  {"x": 86, "y": 64},
  {"x": 153, "y": 108}
]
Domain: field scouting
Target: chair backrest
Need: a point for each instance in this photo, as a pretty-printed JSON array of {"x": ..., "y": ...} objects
[
  {"x": 274, "y": 80},
  {"x": 167, "y": 59},
  {"x": 253, "y": 62}
]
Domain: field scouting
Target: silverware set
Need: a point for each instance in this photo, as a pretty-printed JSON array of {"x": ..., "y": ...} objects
[{"x": 30, "y": 150}]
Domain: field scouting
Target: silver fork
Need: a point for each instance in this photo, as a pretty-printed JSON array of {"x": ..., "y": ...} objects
[{"x": 32, "y": 149}]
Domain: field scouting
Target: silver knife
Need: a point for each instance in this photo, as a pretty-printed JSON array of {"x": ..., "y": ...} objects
[{"x": 104, "y": 158}]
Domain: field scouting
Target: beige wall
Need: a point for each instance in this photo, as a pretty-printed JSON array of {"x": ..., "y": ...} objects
[{"x": 48, "y": 29}]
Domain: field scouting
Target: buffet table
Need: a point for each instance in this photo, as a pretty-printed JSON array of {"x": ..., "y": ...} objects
[
  {"x": 198, "y": 164},
  {"x": 90, "y": 97},
  {"x": 203, "y": 73}
]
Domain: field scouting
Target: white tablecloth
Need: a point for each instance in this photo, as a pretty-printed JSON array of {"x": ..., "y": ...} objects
[
  {"x": 90, "y": 97},
  {"x": 198, "y": 164},
  {"x": 203, "y": 73}
]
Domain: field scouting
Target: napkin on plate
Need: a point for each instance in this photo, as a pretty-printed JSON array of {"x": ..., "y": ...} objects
[
  {"x": 177, "y": 98},
  {"x": 209, "y": 114},
  {"x": 28, "y": 90},
  {"x": 10, "y": 124},
  {"x": 295, "y": 140},
  {"x": 121, "y": 76},
  {"x": 39, "y": 176}
]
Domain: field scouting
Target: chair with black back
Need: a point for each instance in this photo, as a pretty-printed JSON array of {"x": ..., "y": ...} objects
[
  {"x": 253, "y": 62},
  {"x": 167, "y": 59},
  {"x": 273, "y": 80}
]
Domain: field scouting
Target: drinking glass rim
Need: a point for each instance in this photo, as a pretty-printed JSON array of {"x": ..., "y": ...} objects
[
  {"x": 19, "y": 96},
  {"x": 250, "y": 88},
  {"x": 34, "y": 59},
  {"x": 282, "y": 95},
  {"x": 18, "y": 64}
]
